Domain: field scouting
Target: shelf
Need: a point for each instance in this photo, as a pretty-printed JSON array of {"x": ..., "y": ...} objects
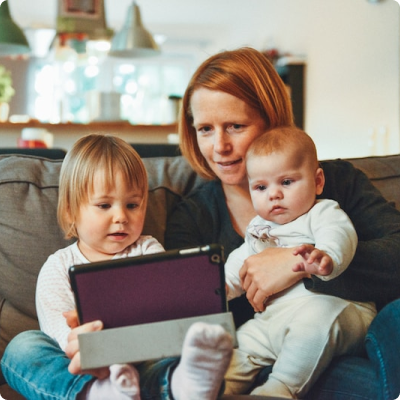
[
  {"x": 65, "y": 134},
  {"x": 95, "y": 125}
]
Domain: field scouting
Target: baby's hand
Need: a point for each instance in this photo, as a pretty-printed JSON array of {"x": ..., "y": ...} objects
[{"x": 314, "y": 261}]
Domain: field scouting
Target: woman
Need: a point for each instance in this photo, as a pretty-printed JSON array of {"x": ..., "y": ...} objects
[{"x": 231, "y": 99}]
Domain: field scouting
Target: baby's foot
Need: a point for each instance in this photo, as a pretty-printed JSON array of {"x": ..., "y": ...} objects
[
  {"x": 122, "y": 384},
  {"x": 206, "y": 355}
]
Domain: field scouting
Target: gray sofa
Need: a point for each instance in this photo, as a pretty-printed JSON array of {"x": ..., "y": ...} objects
[{"x": 29, "y": 230}]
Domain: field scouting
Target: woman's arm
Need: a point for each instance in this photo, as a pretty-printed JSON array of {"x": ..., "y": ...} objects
[
  {"x": 374, "y": 273},
  {"x": 269, "y": 272}
]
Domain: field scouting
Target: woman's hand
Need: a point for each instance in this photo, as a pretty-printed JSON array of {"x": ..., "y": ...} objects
[
  {"x": 72, "y": 349},
  {"x": 267, "y": 273}
]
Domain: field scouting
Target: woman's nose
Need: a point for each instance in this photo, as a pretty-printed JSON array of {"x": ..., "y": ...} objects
[{"x": 221, "y": 142}]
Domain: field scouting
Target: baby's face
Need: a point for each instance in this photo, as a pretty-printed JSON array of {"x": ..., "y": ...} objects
[
  {"x": 111, "y": 219},
  {"x": 280, "y": 189}
]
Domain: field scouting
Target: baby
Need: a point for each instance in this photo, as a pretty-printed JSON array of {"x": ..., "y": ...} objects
[{"x": 299, "y": 332}]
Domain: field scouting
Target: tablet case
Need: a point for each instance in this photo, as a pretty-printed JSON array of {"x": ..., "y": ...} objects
[
  {"x": 175, "y": 284},
  {"x": 148, "y": 303}
]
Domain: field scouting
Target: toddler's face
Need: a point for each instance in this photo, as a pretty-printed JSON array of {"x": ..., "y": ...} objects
[
  {"x": 110, "y": 220},
  {"x": 281, "y": 191}
]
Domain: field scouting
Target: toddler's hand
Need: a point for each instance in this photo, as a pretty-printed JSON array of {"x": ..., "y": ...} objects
[
  {"x": 73, "y": 353},
  {"x": 72, "y": 318}
]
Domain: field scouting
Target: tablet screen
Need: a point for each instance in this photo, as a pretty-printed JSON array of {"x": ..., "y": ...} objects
[{"x": 164, "y": 286}]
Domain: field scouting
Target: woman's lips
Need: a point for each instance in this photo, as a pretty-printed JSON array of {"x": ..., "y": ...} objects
[{"x": 225, "y": 164}]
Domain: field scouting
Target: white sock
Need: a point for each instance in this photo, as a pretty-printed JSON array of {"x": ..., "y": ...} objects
[
  {"x": 206, "y": 355},
  {"x": 125, "y": 378},
  {"x": 122, "y": 384}
]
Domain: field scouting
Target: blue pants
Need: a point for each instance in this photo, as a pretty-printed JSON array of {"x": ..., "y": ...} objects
[{"x": 35, "y": 366}]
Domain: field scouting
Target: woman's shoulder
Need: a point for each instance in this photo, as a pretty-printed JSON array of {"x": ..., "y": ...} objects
[
  {"x": 208, "y": 188},
  {"x": 337, "y": 166},
  {"x": 209, "y": 195},
  {"x": 342, "y": 179}
]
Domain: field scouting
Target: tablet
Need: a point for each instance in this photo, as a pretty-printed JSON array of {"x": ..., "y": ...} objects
[{"x": 175, "y": 284}]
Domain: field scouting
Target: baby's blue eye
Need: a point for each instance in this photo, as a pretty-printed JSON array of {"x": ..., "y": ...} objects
[
  {"x": 286, "y": 182},
  {"x": 104, "y": 206},
  {"x": 261, "y": 188}
]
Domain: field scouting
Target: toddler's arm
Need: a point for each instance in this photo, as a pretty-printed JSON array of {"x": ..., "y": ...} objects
[
  {"x": 314, "y": 261},
  {"x": 53, "y": 297}
]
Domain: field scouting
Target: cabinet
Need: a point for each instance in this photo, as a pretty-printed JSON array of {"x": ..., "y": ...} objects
[{"x": 293, "y": 75}]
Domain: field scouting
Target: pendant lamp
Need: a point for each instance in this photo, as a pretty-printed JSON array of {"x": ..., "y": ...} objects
[
  {"x": 133, "y": 40},
  {"x": 77, "y": 18},
  {"x": 12, "y": 39}
]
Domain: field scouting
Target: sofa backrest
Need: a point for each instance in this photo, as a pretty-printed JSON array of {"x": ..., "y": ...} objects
[{"x": 384, "y": 172}]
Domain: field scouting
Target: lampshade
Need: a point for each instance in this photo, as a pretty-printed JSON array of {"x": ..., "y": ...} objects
[
  {"x": 133, "y": 40},
  {"x": 82, "y": 17},
  {"x": 12, "y": 39}
]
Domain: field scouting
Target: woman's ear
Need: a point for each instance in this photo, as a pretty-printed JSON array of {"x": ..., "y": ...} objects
[{"x": 319, "y": 180}]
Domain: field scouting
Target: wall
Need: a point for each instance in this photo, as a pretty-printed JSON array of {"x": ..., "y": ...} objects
[{"x": 351, "y": 46}]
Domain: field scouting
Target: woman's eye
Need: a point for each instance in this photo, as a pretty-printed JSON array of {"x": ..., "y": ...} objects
[
  {"x": 235, "y": 127},
  {"x": 132, "y": 206},
  {"x": 204, "y": 130}
]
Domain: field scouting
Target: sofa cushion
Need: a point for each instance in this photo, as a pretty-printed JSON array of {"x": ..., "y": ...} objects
[
  {"x": 28, "y": 235},
  {"x": 170, "y": 178}
]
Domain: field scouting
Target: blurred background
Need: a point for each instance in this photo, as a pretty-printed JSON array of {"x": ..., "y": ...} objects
[{"x": 349, "y": 50}]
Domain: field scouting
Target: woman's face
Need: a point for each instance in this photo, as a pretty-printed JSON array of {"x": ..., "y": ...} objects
[{"x": 225, "y": 127}]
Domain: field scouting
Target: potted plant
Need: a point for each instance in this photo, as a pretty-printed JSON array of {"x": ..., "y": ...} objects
[{"x": 6, "y": 92}]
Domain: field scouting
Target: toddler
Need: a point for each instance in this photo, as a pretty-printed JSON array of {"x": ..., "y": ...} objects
[{"x": 102, "y": 203}]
